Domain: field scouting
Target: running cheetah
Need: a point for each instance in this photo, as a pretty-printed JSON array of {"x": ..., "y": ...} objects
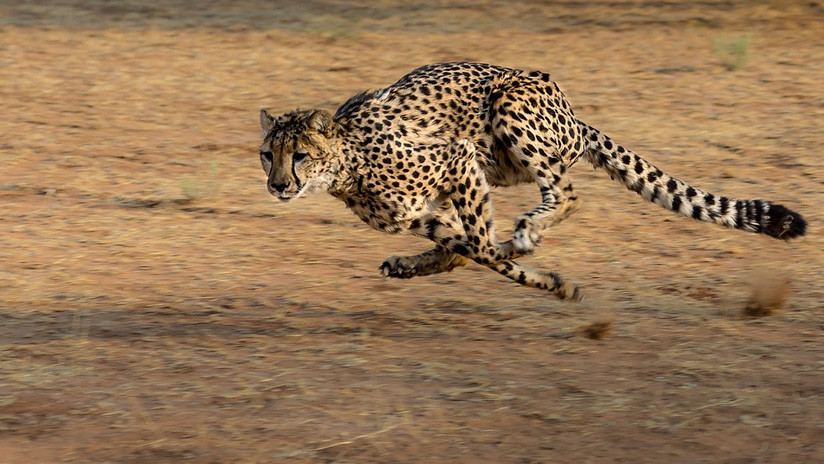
[{"x": 421, "y": 155}]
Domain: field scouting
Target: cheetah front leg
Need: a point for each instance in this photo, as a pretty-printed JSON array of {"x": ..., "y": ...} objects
[
  {"x": 436, "y": 260},
  {"x": 466, "y": 206},
  {"x": 433, "y": 261},
  {"x": 468, "y": 191}
]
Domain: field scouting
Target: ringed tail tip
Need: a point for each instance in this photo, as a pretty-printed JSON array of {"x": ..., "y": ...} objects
[{"x": 784, "y": 223}]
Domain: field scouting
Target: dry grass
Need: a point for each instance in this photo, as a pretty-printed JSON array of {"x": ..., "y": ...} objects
[{"x": 156, "y": 306}]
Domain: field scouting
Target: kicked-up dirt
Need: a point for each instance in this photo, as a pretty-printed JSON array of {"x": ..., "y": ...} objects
[{"x": 157, "y": 306}]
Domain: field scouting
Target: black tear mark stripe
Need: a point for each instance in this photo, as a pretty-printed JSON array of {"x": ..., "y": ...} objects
[{"x": 298, "y": 184}]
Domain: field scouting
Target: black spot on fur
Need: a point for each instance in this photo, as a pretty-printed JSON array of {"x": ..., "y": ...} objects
[
  {"x": 724, "y": 205},
  {"x": 461, "y": 250},
  {"x": 655, "y": 192},
  {"x": 758, "y": 210},
  {"x": 709, "y": 199},
  {"x": 739, "y": 214},
  {"x": 676, "y": 203}
]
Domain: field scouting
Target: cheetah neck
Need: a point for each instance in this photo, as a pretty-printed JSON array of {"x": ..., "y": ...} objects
[{"x": 343, "y": 180}]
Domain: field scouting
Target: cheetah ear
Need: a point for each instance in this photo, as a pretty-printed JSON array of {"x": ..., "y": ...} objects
[
  {"x": 266, "y": 123},
  {"x": 320, "y": 121}
]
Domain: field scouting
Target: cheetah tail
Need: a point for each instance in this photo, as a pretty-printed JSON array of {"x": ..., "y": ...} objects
[{"x": 654, "y": 185}]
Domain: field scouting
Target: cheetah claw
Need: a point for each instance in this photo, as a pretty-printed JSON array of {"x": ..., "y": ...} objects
[{"x": 394, "y": 268}]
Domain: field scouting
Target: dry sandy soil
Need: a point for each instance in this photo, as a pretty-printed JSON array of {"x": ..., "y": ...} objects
[{"x": 157, "y": 306}]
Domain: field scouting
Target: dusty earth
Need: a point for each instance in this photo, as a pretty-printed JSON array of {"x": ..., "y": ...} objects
[{"x": 157, "y": 306}]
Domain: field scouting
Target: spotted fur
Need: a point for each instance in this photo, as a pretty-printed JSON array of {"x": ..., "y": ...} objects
[{"x": 421, "y": 155}]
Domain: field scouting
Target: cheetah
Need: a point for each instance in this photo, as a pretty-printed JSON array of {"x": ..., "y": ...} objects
[{"x": 421, "y": 155}]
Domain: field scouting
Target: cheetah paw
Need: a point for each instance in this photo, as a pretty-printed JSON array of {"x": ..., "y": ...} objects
[
  {"x": 525, "y": 239},
  {"x": 397, "y": 267}
]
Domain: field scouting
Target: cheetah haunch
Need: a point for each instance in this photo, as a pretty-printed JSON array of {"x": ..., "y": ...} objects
[{"x": 420, "y": 157}]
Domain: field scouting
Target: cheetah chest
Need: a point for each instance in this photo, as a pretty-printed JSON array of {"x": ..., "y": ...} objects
[{"x": 387, "y": 201}]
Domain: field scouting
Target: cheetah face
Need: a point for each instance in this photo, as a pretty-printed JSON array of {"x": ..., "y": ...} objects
[{"x": 296, "y": 153}]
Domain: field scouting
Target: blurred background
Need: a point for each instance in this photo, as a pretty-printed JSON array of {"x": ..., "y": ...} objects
[{"x": 157, "y": 305}]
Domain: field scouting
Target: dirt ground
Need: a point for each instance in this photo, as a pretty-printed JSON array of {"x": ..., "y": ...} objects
[{"x": 157, "y": 306}]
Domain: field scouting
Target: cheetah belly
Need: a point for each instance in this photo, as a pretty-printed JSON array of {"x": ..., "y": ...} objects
[{"x": 500, "y": 167}]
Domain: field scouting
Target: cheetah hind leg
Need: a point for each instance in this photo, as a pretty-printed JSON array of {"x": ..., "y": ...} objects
[
  {"x": 434, "y": 261},
  {"x": 559, "y": 202}
]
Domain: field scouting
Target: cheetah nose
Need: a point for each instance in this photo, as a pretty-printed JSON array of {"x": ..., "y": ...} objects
[{"x": 274, "y": 186}]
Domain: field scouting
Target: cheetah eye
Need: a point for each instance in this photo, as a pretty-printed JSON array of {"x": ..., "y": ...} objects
[
  {"x": 299, "y": 156},
  {"x": 266, "y": 155}
]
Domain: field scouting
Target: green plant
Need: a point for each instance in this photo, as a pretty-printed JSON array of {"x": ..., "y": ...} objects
[
  {"x": 734, "y": 50},
  {"x": 201, "y": 186}
]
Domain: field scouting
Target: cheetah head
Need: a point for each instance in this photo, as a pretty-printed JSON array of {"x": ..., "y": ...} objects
[{"x": 297, "y": 153}]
